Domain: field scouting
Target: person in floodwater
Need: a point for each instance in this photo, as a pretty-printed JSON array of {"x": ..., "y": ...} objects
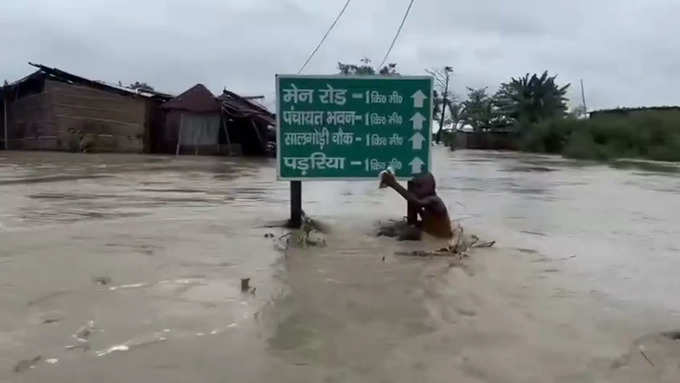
[{"x": 434, "y": 217}]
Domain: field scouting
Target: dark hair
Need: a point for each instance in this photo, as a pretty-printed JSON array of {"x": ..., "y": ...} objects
[
  {"x": 426, "y": 177},
  {"x": 425, "y": 184}
]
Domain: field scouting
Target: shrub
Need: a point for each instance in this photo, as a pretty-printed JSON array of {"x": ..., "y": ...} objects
[{"x": 644, "y": 134}]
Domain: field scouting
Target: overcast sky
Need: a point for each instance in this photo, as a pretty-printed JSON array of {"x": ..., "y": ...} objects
[{"x": 627, "y": 51}]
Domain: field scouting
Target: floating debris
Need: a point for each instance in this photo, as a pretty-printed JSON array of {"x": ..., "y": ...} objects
[
  {"x": 642, "y": 351},
  {"x": 128, "y": 286},
  {"x": 458, "y": 246},
  {"x": 52, "y": 361},
  {"x": 128, "y": 345},
  {"x": 52, "y": 317},
  {"x": 310, "y": 233},
  {"x": 82, "y": 336},
  {"x": 245, "y": 284},
  {"x": 47, "y": 297},
  {"x": 102, "y": 281},
  {"x": 82, "y": 346},
  {"x": 26, "y": 364},
  {"x": 112, "y": 349},
  {"x": 83, "y": 333}
]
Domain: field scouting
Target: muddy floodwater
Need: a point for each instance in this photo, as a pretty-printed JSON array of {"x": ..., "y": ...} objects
[{"x": 127, "y": 268}]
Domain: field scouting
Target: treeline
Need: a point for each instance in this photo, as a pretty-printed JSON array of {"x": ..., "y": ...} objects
[
  {"x": 533, "y": 109},
  {"x": 653, "y": 135},
  {"x": 517, "y": 105}
]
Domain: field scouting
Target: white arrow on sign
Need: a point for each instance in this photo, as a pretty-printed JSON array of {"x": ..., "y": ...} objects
[
  {"x": 416, "y": 165},
  {"x": 418, "y": 120},
  {"x": 418, "y": 98},
  {"x": 417, "y": 140}
]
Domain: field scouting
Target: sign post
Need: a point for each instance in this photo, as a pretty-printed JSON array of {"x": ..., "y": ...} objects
[
  {"x": 295, "y": 204},
  {"x": 351, "y": 128}
]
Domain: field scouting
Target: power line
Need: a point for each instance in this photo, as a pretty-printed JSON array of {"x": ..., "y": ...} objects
[
  {"x": 324, "y": 36},
  {"x": 408, "y": 9}
]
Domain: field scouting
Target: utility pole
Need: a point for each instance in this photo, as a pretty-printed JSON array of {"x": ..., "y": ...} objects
[
  {"x": 4, "y": 116},
  {"x": 447, "y": 70},
  {"x": 583, "y": 97}
]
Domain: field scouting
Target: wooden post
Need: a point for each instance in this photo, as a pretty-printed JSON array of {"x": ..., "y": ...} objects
[
  {"x": 263, "y": 144},
  {"x": 226, "y": 134},
  {"x": 295, "y": 204},
  {"x": 179, "y": 133},
  {"x": 411, "y": 209}
]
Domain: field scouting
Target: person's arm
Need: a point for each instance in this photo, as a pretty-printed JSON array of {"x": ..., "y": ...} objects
[{"x": 391, "y": 181}]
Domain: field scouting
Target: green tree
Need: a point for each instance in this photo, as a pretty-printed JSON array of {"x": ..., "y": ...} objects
[
  {"x": 529, "y": 99},
  {"x": 141, "y": 86},
  {"x": 366, "y": 69},
  {"x": 478, "y": 109}
]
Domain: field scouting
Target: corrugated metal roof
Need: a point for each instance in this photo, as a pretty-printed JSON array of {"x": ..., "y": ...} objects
[
  {"x": 60, "y": 75},
  {"x": 239, "y": 107}
]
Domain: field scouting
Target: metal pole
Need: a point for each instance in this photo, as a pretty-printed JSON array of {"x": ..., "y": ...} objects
[
  {"x": 295, "y": 204},
  {"x": 411, "y": 209},
  {"x": 583, "y": 97},
  {"x": 4, "y": 115},
  {"x": 443, "y": 111}
]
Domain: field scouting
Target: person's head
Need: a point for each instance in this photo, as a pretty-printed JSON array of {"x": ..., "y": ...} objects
[{"x": 424, "y": 185}]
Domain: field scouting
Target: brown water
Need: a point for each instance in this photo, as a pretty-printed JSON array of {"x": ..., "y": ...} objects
[
  {"x": 621, "y": 223},
  {"x": 171, "y": 238}
]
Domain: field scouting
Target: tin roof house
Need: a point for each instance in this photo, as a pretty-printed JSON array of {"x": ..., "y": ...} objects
[{"x": 51, "y": 109}]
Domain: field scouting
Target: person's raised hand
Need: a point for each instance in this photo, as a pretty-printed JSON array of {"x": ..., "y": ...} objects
[{"x": 387, "y": 179}]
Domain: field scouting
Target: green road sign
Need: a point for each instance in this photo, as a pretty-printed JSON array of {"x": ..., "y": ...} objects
[{"x": 342, "y": 127}]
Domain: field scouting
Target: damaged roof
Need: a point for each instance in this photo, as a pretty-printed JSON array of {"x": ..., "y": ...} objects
[
  {"x": 198, "y": 99},
  {"x": 63, "y": 76},
  {"x": 240, "y": 107}
]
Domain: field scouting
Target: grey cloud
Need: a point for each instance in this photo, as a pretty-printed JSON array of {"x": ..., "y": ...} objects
[{"x": 625, "y": 50}]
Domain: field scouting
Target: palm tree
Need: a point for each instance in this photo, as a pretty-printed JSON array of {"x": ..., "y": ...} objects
[{"x": 529, "y": 99}]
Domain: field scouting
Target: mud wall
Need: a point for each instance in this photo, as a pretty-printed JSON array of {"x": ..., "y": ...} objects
[
  {"x": 89, "y": 119},
  {"x": 77, "y": 118},
  {"x": 30, "y": 123}
]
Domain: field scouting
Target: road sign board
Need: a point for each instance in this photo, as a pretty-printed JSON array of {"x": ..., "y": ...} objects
[{"x": 352, "y": 127}]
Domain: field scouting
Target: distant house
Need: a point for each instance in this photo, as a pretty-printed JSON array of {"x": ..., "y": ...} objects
[
  {"x": 624, "y": 112},
  {"x": 51, "y": 109},
  {"x": 197, "y": 122},
  {"x": 192, "y": 122}
]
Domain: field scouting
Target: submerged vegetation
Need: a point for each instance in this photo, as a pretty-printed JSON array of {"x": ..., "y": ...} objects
[{"x": 651, "y": 135}]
